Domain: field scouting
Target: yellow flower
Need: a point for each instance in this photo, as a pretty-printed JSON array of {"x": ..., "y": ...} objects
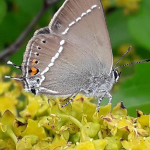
[
  {"x": 129, "y": 5},
  {"x": 106, "y": 4},
  {"x": 137, "y": 144},
  {"x": 3, "y": 70},
  {"x": 58, "y": 141},
  {"x": 8, "y": 103},
  {"x": 86, "y": 146},
  {"x": 34, "y": 129},
  {"x": 6, "y": 129}
]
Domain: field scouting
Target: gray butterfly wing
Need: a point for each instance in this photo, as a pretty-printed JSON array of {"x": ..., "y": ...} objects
[
  {"x": 83, "y": 22},
  {"x": 60, "y": 63},
  {"x": 76, "y": 47},
  {"x": 72, "y": 69}
]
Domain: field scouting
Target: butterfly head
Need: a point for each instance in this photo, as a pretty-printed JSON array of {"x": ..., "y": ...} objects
[{"x": 116, "y": 75}]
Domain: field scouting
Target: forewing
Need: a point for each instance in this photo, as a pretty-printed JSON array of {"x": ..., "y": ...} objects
[{"x": 83, "y": 22}]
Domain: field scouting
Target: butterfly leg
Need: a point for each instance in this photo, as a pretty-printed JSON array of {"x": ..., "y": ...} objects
[
  {"x": 73, "y": 97},
  {"x": 69, "y": 97},
  {"x": 109, "y": 96},
  {"x": 99, "y": 102}
]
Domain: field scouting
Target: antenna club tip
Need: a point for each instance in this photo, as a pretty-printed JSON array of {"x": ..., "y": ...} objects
[
  {"x": 130, "y": 47},
  {"x": 7, "y": 77},
  {"x": 9, "y": 62}
]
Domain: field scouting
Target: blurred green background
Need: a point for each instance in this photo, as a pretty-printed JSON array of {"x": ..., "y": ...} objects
[{"x": 128, "y": 24}]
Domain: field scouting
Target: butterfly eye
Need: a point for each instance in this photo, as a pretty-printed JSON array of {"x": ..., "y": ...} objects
[{"x": 115, "y": 74}]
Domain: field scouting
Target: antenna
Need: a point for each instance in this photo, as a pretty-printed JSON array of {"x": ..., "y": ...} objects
[
  {"x": 11, "y": 63},
  {"x": 18, "y": 67},
  {"x": 9, "y": 77},
  {"x": 122, "y": 56},
  {"x": 134, "y": 63}
]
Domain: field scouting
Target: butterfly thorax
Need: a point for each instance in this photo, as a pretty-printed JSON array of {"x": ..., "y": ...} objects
[{"x": 100, "y": 85}]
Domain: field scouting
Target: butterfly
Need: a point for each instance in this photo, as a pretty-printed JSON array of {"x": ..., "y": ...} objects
[{"x": 71, "y": 55}]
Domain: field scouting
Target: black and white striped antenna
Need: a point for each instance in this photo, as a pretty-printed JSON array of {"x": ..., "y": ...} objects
[{"x": 133, "y": 63}]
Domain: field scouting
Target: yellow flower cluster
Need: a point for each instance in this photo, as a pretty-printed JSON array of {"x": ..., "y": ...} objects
[
  {"x": 39, "y": 123},
  {"x": 128, "y": 5},
  {"x": 106, "y": 4}
]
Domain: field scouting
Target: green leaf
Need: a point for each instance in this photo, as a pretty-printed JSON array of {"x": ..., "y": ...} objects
[
  {"x": 118, "y": 29},
  {"x": 12, "y": 26},
  {"x": 135, "y": 91},
  {"x": 139, "y": 25},
  {"x": 2, "y": 9},
  {"x": 30, "y": 6}
]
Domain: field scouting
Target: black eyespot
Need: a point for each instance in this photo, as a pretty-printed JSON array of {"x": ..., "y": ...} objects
[
  {"x": 38, "y": 81},
  {"x": 44, "y": 41},
  {"x": 39, "y": 47},
  {"x": 115, "y": 74},
  {"x": 36, "y": 62},
  {"x": 38, "y": 70},
  {"x": 33, "y": 91},
  {"x": 30, "y": 71},
  {"x": 37, "y": 54}
]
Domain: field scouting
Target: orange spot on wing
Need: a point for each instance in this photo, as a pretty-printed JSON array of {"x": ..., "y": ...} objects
[
  {"x": 33, "y": 71},
  {"x": 34, "y": 62}
]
